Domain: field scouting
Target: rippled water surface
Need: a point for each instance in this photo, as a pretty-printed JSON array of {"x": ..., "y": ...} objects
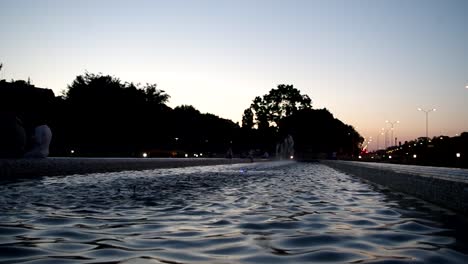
[{"x": 258, "y": 213}]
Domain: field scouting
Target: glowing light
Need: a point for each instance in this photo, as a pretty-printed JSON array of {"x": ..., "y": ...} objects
[
  {"x": 186, "y": 155},
  {"x": 415, "y": 156},
  {"x": 360, "y": 157},
  {"x": 390, "y": 157},
  {"x": 144, "y": 155},
  {"x": 458, "y": 155},
  {"x": 291, "y": 157},
  {"x": 72, "y": 151},
  {"x": 201, "y": 154},
  {"x": 195, "y": 155}
]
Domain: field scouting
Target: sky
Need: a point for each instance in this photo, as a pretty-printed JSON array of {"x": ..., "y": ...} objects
[{"x": 366, "y": 61}]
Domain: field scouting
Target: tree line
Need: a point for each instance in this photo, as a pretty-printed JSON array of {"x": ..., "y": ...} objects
[{"x": 101, "y": 115}]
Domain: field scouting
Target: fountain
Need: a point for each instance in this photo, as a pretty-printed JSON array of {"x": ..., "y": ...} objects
[{"x": 285, "y": 149}]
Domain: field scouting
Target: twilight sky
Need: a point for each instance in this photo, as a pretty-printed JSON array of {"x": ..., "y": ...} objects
[{"x": 366, "y": 61}]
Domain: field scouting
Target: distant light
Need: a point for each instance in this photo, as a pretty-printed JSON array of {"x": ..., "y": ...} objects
[
  {"x": 186, "y": 155},
  {"x": 195, "y": 155},
  {"x": 458, "y": 155},
  {"x": 360, "y": 157},
  {"x": 466, "y": 87},
  {"x": 441, "y": 138},
  {"x": 144, "y": 155},
  {"x": 72, "y": 151},
  {"x": 291, "y": 157},
  {"x": 201, "y": 154},
  {"x": 415, "y": 156},
  {"x": 176, "y": 138},
  {"x": 389, "y": 157},
  {"x": 372, "y": 157}
]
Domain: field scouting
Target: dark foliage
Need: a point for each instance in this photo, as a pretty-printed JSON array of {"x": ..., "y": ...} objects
[
  {"x": 317, "y": 132},
  {"x": 99, "y": 115},
  {"x": 285, "y": 111},
  {"x": 281, "y": 102}
]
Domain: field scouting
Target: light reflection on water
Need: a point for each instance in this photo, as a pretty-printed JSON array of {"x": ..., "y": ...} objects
[{"x": 257, "y": 213}]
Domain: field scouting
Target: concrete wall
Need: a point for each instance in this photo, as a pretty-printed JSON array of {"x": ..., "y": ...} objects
[
  {"x": 30, "y": 168},
  {"x": 446, "y": 187}
]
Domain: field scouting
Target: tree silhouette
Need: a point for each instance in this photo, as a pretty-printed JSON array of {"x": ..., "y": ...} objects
[
  {"x": 281, "y": 102},
  {"x": 317, "y": 131},
  {"x": 248, "y": 119},
  {"x": 155, "y": 96},
  {"x": 102, "y": 114}
]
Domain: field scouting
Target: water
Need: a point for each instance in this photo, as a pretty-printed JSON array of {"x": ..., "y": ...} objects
[{"x": 257, "y": 213}]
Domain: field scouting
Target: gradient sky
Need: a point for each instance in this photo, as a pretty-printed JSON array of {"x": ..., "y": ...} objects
[{"x": 366, "y": 61}]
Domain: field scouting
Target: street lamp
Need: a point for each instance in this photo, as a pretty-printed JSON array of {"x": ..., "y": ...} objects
[
  {"x": 381, "y": 133},
  {"x": 392, "y": 123},
  {"x": 427, "y": 119}
]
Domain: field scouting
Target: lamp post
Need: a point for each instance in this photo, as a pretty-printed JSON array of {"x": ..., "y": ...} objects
[
  {"x": 392, "y": 124},
  {"x": 381, "y": 133},
  {"x": 427, "y": 119}
]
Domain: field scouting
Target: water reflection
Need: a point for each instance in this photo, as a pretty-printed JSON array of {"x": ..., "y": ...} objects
[{"x": 259, "y": 213}]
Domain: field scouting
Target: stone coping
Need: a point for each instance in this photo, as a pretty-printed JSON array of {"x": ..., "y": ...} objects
[
  {"x": 29, "y": 168},
  {"x": 443, "y": 173},
  {"x": 446, "y": 187}
]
